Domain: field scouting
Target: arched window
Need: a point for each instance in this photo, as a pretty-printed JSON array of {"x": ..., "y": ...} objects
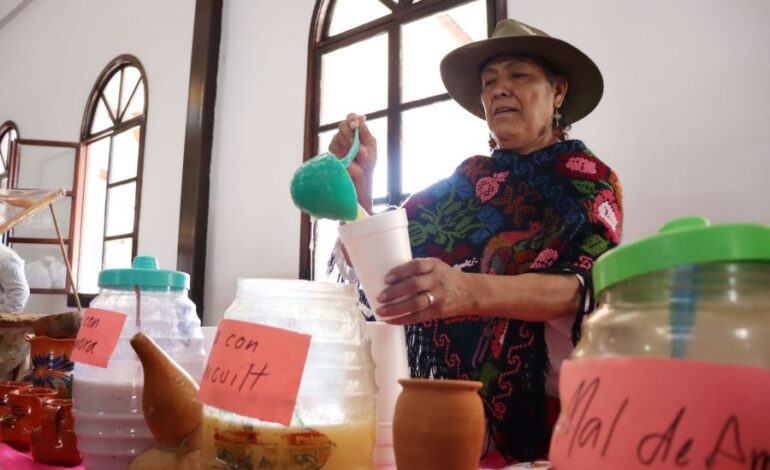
[
  {"x": 381, "y": 58},
  {"x": 113, "y": 134},
  {"x": 8, "y": 134}
]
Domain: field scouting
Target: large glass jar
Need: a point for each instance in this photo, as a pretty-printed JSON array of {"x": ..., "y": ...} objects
[
  {"x": 678, "y": 349},
  {"x": 334, "y": 420},
  {"x": 107, "y": 402},
  {"x": 694, "y": 292}
]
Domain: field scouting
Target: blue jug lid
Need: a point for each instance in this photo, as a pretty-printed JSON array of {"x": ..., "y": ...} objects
[{"x": 144, "y": 273}]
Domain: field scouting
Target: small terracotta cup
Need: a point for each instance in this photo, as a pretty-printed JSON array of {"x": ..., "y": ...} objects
[
  {"x": 26, "y": 412},
  {"x": 5, "y": 387},
  {"x": 438, "y": 424},
  {"x": 54, "y": 441}
]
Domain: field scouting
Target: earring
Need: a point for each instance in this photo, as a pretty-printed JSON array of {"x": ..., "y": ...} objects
[{"x": 556, "y": 117}]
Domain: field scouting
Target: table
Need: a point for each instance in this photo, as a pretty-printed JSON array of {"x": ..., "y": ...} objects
[{"x": 12, "y": 459}]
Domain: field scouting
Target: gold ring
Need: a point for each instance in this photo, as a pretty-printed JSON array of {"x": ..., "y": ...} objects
[{"x": 430, "y": 298}]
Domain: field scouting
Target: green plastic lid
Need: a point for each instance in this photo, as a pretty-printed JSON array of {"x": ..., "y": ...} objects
[
  {"x": 686, "y": 241},
  {"x": 144, "y": 273}
]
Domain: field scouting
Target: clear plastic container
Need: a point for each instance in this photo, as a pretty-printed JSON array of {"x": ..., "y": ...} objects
[
  {"x": 694, "y": 291},
  {"x": 677, "y": 354},
  {"x": 334, "y": 420},
  {"x": 716, "y": 312},
  {"x": 107, "y": 403}
]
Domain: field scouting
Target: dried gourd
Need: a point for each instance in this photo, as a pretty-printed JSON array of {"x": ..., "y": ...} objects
[{"x": 171, "y": 410}]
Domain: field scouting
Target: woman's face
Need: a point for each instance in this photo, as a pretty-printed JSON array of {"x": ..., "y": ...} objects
[{"x": 519, "y": 103}]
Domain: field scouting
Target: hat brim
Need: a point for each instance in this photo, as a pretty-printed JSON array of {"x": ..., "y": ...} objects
[{"x": 460, "y": 71}]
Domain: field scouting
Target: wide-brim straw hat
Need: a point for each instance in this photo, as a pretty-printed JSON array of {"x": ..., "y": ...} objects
[{"x": 461, "y": 68}]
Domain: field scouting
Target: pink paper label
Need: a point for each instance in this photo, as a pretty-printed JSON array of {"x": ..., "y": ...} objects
[
  {"x": 255, "y": 370},
  {"x": 97, "y": 337},
  {"x": 625, "y": 414}
]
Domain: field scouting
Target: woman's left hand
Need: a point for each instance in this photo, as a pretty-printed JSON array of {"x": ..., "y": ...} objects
[{"x": 430, "y": 289}]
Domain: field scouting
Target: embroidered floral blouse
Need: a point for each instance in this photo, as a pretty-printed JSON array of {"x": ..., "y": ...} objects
[{"x": 553, "y": 211}]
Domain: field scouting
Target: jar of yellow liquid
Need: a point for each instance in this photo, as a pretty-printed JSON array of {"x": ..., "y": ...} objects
[{"x": 334, "y": 420}]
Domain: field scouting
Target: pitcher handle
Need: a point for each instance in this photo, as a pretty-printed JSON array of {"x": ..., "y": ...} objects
[
  {"x": 49, "y": 421},
  {"x": 353, "y": 150}
]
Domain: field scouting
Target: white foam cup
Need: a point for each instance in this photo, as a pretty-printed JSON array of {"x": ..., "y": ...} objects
[
  {"x": 376, "y": 245},
  {"x": 209, "y": 332},
  {"x": 384, "y": 435},
  {"x": 384, "y": 455},
  {"x": 389, "y": 355}
]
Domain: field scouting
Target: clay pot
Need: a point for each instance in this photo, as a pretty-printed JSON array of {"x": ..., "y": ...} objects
[
  {"x": 26, "y": 412},
  {"x": 51, "y": 364},
  {"x": 5, "y": 388},
  {"x": 438, "y": 424},
  {"x": 54, "y": 441}
]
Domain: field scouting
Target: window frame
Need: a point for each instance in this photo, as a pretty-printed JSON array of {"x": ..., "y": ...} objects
[
  {"x": 6, "y": 128},
  {"x": 321, "y": 43},
  {"x": 87, "y": 138}
]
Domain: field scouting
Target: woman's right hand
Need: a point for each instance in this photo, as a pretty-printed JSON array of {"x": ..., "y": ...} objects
[{"x": 361, "y": 169}]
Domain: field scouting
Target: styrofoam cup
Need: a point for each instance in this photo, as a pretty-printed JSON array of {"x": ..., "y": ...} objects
[
  {"x": 376, "y": 245},
  {"x": 384, "y": 434},
  {"x": 209, "y": 332},
  {"x": 390, "y": 360},
  {"x": 384, "y": 455}
]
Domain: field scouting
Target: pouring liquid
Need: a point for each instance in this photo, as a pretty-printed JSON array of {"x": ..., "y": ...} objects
[{"x": 362, "y": 214}]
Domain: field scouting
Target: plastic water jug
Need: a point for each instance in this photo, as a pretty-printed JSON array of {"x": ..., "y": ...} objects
[{"x": 108, "y": 402}]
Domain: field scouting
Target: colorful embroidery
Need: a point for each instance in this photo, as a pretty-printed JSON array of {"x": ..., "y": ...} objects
[
  {"x": 498, "y": 249},
  {"x": 555, "y": 210},
  {"x": 582, "y": 165},
  {"x": 450, "y": 221},
  {"x": 607, "y": 211},
  {"x": 545, "y": 259},
  {"x": 487, "y": 187}
]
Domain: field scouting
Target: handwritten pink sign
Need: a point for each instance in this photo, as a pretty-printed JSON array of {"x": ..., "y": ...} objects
[
  {"x": 97, "y": 337},
  {"x": 661, "y": 413},
  {"x": 255, "y": 370}
]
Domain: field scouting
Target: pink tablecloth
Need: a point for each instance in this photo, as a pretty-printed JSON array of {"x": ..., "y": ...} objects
[{"x": 11, "y": 459}]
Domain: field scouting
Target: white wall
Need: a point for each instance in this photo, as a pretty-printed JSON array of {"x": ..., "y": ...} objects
[
  {"x": 52, "y": 52},
  {"x": 258, "y": 143},
  {"x": 686, "y": 105}
]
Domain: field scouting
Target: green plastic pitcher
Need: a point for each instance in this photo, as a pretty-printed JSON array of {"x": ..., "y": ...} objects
[{"x": 323, "y": 188}]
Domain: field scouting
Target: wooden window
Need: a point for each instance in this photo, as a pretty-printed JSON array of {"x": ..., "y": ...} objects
[
  {"x": 113, "y": 135},
  {"x": 381, "y": 58},
  {"x": 8, "y": 135}
]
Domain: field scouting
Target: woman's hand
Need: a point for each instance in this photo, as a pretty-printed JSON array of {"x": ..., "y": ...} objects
[
  {"x": 430, "y": 289},
  {"x": 362, "y": 167}
]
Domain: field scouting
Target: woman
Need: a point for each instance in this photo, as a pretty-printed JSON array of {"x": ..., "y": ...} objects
[{"x": 504, "y": 247}]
